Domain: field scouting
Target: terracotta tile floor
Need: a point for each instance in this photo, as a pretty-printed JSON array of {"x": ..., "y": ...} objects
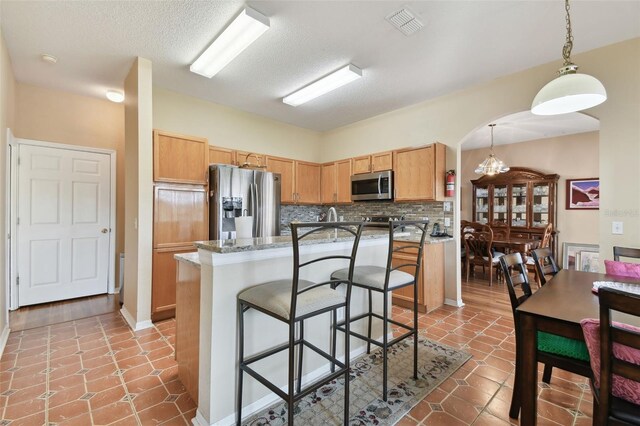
[{"x": 97, "y": 371}]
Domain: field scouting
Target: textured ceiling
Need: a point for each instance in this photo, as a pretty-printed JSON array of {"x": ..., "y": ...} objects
[{"x": 463, "y": 43}]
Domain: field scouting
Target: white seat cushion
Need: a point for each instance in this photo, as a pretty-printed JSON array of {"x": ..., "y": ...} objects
[
  {"x": 275, "y": 297},
  {"x": 373, "y": 276}
]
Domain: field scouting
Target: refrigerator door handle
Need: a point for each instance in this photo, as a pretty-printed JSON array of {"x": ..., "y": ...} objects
[{"x": 254, "y": 207}]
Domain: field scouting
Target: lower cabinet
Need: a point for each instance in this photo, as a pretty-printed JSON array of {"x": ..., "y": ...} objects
[
  {"x": 163, "y": 290},
  {"x": 430, "y": 280},
  {"x": 188, "y": 326}
]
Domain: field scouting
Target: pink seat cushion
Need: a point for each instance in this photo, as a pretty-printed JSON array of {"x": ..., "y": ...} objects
[
  {"x": 624, "y": 388},
  {"x": 622, "y": 269}
]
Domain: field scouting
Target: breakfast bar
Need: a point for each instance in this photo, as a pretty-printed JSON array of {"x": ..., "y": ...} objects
[{"x": 229, "y": 266}]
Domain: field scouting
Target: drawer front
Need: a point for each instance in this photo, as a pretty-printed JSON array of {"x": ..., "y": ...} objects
[{"x": 520, "y": 235}]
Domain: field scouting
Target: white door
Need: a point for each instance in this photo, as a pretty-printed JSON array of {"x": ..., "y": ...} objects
[{"x": 63, "y": 223}]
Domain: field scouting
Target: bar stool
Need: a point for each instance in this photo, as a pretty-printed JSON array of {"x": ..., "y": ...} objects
[
  {"x": 384, "y": 279},
  {"x": 292, "y": 301}
]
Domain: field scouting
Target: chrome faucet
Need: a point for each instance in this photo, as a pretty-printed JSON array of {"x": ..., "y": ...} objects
[{"x": 332, "y": 214}]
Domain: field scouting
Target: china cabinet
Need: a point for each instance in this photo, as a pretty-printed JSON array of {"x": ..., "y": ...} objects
[{"x": 523, "y": 200}]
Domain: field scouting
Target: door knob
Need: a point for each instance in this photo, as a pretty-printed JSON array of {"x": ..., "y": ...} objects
[{"x": 104, "y": 230}]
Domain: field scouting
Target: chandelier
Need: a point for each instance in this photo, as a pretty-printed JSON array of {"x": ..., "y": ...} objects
[
  {"x": 492, "y": 165},
  {"x": 570, "y": 92}
]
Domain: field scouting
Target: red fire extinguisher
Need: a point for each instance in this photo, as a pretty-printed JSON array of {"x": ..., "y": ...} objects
[{"x": 450, "y": 183}]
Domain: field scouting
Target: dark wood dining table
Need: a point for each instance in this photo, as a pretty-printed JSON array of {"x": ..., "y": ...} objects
[
  {"x": 557, "y": 308},
  {"x": 520, "y": 245}
]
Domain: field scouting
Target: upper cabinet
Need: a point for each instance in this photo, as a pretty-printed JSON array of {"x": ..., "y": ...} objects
[
  {"x": 382, "y": 161},
  {"x": 419, "y": 173},
  {"x": 328, "y": 184},
  {"x": 286, "y": 168},
  {"x": 307, "y": 182},
  {"x": 218, "y": 155},
  {"x": 179, "y": 158},
  {"x": 244, "y": 157},
  {"x": 377, "y": 162},
  {"x": 336, "y": 182}
]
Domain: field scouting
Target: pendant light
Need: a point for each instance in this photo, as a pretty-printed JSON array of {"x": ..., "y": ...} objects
[
  {"x": 492, "y": 165},
  {"x": 570, "y": 92}
]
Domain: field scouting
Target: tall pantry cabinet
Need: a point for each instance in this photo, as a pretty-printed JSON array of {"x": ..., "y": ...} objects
[{"x": 180, "y": 210}]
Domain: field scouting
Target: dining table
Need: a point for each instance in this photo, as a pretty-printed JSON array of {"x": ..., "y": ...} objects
[
  {"x": 557, "y": 308},
  {"x": 515, "y": 244}
]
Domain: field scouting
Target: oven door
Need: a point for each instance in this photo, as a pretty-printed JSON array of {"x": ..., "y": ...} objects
[{"x": 372, "y": 186}]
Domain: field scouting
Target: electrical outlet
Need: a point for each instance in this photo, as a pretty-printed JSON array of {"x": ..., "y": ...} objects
[
  {"x": 616, "y": 228},
  {"x": 447, "y": 207},
  {"x": 447, "y": 222}
]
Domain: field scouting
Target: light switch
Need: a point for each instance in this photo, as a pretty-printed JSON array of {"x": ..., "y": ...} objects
[
  {"x": 447, "y": 207},
  {"x": 616, "y": 228},
  {"x": 447, "y": 222}
]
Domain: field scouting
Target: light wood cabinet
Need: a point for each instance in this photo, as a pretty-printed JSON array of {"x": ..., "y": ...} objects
[
  {"x": 382, "y": 161},
  {"x": 361, "y": 164},
  {"x": 328, "y": 184},
  {"x": 179, "y": 158},
  {"x": 163, "y": 289},
  {"x": 343, "y": 181},
  {"x": 430, "y": 280},
  {"x": 286, "y": 168},
  {"x": 187, "y": 343},
  {"x": 180, "y": 215},
  {"x": 419, "y": 173},
  {"x": 218, "y": 155},
  {"x": 307, "y": 182}
]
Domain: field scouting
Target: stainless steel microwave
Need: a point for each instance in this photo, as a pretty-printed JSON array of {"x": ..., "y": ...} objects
[{"x": 372, "y": 186}]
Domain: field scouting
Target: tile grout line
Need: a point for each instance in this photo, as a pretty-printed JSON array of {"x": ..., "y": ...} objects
[
  {"x": 48, "y": 376},
  {"x": 120, "y": 375},
  {"x": 86, "y": 389}
]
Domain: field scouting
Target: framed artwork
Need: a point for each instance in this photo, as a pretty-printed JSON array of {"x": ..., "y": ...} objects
[
  {"x": 583, "y": 194},
  {"x": 573, "y": 253},
  {"x": 588, "y": 261}
]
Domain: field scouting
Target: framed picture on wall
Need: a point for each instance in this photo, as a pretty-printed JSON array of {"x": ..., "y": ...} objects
[
  {"x": 573, "y": 253},
  {"x": 583, "y": 194}
]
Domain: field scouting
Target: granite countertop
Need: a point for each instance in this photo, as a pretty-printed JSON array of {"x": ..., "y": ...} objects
[
  {"x": 253, "y": 244},
  {"x": 191, "y": 258}
]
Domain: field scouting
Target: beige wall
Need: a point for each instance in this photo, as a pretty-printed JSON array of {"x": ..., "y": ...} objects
[
  {"x": 571, "y": 157},
  {"x": 449, "y": 118},
  {"x": 231, "y": 128},
  {"x": 138, "y": 194},
  {"x": 62, "y": 117},
  {"x": 7, "y": 115}
]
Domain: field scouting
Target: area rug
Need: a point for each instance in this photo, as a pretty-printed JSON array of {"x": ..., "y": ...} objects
[{"x": 436, "y": 362}]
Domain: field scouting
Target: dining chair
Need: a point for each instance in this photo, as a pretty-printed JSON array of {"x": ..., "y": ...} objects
[
  {"x": 479, "y": 251},
  {"x": 292, "y": 301},
  {"x": 383, "y": 280},
  {"x": 545, "y": 264},
  {"x": 615, "y": 352},
  {"x": 553, "y": 350},
  {"x": 545, "y": 242},
  {"x": 633, "y": 253}
]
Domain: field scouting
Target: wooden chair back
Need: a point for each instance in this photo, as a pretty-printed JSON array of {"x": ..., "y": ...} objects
[
  {"x": 625, "y": 252},
  {"x": 515, "y": 275},
  {"x": 478, "y": 245},
  {"x": 546, "y": 236},
  {"x": 546, "y": 266},
  {"x": 610, "y": 334},
  {"x": 501, "y": 232}
]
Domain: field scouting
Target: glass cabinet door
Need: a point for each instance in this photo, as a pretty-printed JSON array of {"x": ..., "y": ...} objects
[
  {"x": 519, "y": 204},
  {"x": 541, "y": 204},
  {"x": 482, "y": 205},
  {"x": 500, "y": 205}
]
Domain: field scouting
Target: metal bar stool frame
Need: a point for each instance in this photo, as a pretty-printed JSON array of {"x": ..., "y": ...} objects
[{"x": 291, "y": 396}]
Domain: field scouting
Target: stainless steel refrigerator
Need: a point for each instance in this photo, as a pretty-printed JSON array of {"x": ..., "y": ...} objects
[{"x": 236, "y": 192}]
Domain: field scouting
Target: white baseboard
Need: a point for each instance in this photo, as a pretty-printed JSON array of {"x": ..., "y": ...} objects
[
  {"x": 135, "y": 326},
  {"x": 457, "y": 303},
  {"x": 3, "y": 338},
  {"x": 271, "y": 398}
]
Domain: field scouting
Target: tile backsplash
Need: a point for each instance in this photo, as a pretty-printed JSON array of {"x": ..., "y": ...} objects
[{"x": 357, "y": 210}]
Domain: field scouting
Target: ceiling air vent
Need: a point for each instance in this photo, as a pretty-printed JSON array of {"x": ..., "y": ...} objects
[{"x": 405, "y": 21}]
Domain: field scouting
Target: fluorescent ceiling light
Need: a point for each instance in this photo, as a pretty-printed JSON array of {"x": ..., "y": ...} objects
[
  {"x": 324, "y": 85},
  {"x": 244, "y": 30},
  {"x": 115, "y": 96}
]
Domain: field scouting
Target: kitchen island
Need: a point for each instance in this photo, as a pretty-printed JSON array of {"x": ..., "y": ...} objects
[{"x": 228, "y": 267}]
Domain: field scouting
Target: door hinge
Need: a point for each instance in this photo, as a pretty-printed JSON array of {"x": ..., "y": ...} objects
[
  {"x": 18, "y": 161},
  {"x": 17, "y": 221},
  {"x": 17, "y": 281}
]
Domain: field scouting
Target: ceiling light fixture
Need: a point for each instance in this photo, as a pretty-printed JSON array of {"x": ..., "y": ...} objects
[
  {"x": 570, "y": 92},
  {"x": 326, "y": 84},
  {"x": 239, "y": 34},
  {"x": 115, "y": 96},
  {"x": 492, "y": 165},
  {"x": 48, "y": 58}
]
